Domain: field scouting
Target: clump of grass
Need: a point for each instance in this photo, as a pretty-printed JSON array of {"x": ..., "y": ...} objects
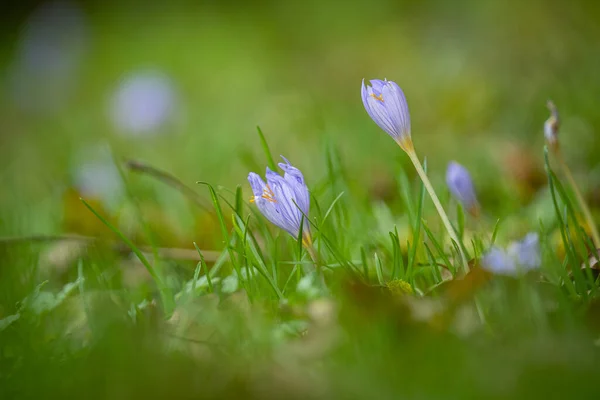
[{"x": 360, "y": 311}]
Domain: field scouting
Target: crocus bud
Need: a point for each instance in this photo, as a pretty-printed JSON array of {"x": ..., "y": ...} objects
[
  {"x": 283, "y": 200},
  {"x": 460, "y": 185},
  {"x": 386, "y": 105},
  {"x": 520, "y": 257},
  {"x": 551, "y": 126}
]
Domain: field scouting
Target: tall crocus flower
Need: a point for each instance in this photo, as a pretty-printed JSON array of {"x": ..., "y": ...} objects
[
  {"x": 386, "y": 105},
  {"x": 461, "y": 187},
  {"x": 551, "y": 127},
  {"x": 283, "y": 200},
  {"x": 520, "y": 257}
]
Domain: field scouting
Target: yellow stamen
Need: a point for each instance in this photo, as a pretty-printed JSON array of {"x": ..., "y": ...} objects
[
  {"x": 268, "y": 194},
  {"x": 380, "y": 97}
]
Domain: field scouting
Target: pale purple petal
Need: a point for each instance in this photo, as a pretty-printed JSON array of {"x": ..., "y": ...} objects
[
  {"x": 283, "y": 200},
  {"x": 295, "y": 179},
  {"x": 527, "y": 252},
  {"x": 397, "y": 107},
  {"x": 461, "y": 187},
  {"x": 256, "y": 183},
  {"x": 385, "y": 103},
  {"x": 499, "y": 262},
  {"x": 377, "y": 85}
]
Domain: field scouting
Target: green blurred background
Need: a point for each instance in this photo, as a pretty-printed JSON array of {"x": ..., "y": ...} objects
[{"x": 476, "y": 75}]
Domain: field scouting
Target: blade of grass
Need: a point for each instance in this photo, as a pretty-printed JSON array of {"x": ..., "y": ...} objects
[
  {"x": 439, "y": 249},
  {"x": 436, "y": 272},
  {"x": 266, "y": 149},
  {"x": 495, "y": 232},
  {"x": 224, "y": 230},
  {"x": 166, "y": 297},
  {"x": 379, "y": 269},
  {"x": 331, "y": 207},
  {"x": 567, "y": 245},
  {"x": 417, "y": 230},
  {"x": 363, "y": 258},
  {"x": 405, "y": 190},
  {"x": 201, "y": 264}
]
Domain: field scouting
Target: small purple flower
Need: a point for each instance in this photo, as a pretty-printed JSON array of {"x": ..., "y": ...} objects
[
  {"x": 143, "y": 102},
  {"x": 460, "y": 185},
  {"x": 386, "y": 105},
  {"x": 520, "y": 257},
  {"x": 283, "y": 200},
  {"x": 526, "y": 252}
]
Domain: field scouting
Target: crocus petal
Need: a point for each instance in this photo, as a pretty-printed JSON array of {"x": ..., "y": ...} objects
[
  {"x": 385, "y": 103},
  {"x": 395, "y": 103},
  {"x": 256, "y": 183},
  {"x": 295, "y": 179},
  {"x": 267, "y": 207},
  {"x": 527, "y": 252},
  {"x": 499, "y": 262},
  {"x": 460, "y": 185},
  {"x": 377, "y": 85},
  {"x": 283, "y": 200}
]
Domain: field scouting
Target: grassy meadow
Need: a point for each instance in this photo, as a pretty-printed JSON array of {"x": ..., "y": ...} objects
[{"x": 134, "y": 265}]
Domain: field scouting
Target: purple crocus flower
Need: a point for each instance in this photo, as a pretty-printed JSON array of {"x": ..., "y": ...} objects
[
  {"x": 520, "y": 257},
  {"x": 386, "y": 105},
  {"x": 460, "y": 185},
  {"x": 283, "y": 200}
]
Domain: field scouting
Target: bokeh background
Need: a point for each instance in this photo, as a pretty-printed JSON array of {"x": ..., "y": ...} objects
[{"x": 182, "y": 85}]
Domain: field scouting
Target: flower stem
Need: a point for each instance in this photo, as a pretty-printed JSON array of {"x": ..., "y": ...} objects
[
  {"x": 436, "y": 202},
  {"x": 584, "y": 208}
]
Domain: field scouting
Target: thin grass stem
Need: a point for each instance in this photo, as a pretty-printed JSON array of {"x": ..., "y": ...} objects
[{"x": 436, "y": 202}]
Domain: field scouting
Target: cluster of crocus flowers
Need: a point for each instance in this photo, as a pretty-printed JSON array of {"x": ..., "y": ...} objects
[
  {"x": 386, "y": 105},
  {"x": 283, "y": 200},
  {"x": 461, "y": 187},
  {"x": 518, "y": 258}
]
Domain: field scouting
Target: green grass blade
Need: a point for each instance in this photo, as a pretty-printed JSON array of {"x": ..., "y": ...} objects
[
  {"x": 439, "y": 249},
  {"x": 571, "y": 257},
  {"x": 379, "y": 269},
  {"x": 165, "y": 293},
  {"x": 265, "y": 146},
  {"x": 224, "y": 230},
  {"x": 417, "y": 229},
  {"x": 495, "y": 232},
  {"x": 203, "y": 265},
  {"x": 365, "y": 265}
]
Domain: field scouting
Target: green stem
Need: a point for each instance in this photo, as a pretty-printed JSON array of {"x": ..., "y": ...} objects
[
  {"x": 436, "y": 202},
  {"x": 584, "y": 208}
]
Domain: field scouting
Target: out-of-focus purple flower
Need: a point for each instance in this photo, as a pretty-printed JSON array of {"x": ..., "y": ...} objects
[
  {"x": 283, "y": 200},
  {"x": 49, "y": 52},
  {"x": 96, "y": 176},
  {"x": 460, "y": 185},
  {"x": 520, "y": 257},
  {"x": 386, "y": 105},
  {"x": 142, "y": 103},
  {"x": 551, "y": 125},
  {"x": 526, "y": 252}
]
